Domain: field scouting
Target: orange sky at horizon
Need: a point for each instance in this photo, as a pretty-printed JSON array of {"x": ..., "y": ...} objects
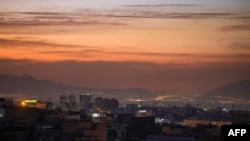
[
  {"x": 170, "y": 42},
  {"x": 130, "y": 42}
]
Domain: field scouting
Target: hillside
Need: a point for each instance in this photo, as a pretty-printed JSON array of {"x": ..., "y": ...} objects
[
  {"x": 26, "y": 84},
  {"x": 240, "y": 89}
]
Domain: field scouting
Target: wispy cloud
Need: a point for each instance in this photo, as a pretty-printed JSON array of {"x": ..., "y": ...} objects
[
  {"x": 164, "y": 5},
  {"x": 77, "y": 52},
  {"x": 52, "y": 18},
  {"x": 236, "y": 27},
  {"x": 68, "y": 53},
  {"x": 42, "y": 13},
  {"x": 10, "y": 43},
  {"x": 167, "y": 15},
  {"x": 8, "y": 61},
  {"x": 166, "y": 11},
  {"x": 124, "y": 53},
  {"x": 156, "y": 57},
  {"x": 244, "y": 45},
  {"x": 110, "y": 16}
]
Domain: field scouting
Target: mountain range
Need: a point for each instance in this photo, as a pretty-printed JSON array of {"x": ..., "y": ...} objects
[
  {"x": 240, "y": 89},
  {"x": 28, "y": 85}
]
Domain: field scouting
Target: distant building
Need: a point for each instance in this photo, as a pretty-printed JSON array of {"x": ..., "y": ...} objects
[
  {"x": 72, "y": 106},
  {"x": 68, "y": 103},
  {"x": 144, "y": 113},
  {"x": 116, "y": 132},
  {"x": 26, "y": 116},
  {"x": 98, "y": 102},
  {"x": 33, "y": 103},
  {"x": 63, "y": 101},
  {"x": 111, "y": 104},
  {"x": 240, "y": 117},
  {"x": 108, "y": 105},
  {"x": 2, "y": 111},
  {"x": 85, "y": 100},
  {"x": 63, "y": 98},
  {"x": 168, "y": 138},
  {"x": 195, "y": 122},
  {"x": 72, "y": 98},
  {"x": 141, "y": 127},
  {"x": 4, "y": 103}
]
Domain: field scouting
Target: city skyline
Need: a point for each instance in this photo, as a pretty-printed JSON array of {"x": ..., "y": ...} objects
[{"x": 178, "y": 45}]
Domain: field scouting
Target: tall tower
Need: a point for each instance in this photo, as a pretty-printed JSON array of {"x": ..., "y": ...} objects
[
  {"x": 63, "y": 101},
  {"x": 72, "y": 106},
  {"x": 85, "y": 99},
  {"x": 72, "y": 98}
]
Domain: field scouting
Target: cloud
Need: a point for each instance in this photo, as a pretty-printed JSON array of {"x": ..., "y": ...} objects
[
  {"x": 119, "y": 56},
  {"x": 74, "y": 55},
  {"x": 10, "y": 43},
  {"x": 244, "y": 17},
  {"x": 163, "y": 5},
  {"x": 77, "y": 51},
  {"x": 53, "y": 18},
  {"x": 7, "y": 61},
  {"x": 150, "y": 14},
  {"x": 153, "y": 57},
  {"x": 244, "y": 45},
  {"x": 100, "y": 51},
  {"x": 164, "y": 11},
  {"x": 108, "y": 16},
  {"x": 42, "y": 13},
  {"x": 236, "y": 28}
]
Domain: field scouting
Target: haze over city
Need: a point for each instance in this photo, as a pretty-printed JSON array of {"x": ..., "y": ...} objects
[
  {"x": 124, "y": 70},
  {"x": 189, "y": 45}
]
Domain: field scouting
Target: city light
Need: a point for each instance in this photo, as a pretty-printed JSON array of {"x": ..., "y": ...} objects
[
  {"x": 23, "y": 103},
  {"x": 30, "y": 101}
]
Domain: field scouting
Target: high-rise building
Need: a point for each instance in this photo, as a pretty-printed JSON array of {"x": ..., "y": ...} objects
[
  {"x": 99, "y": 102},
  {"x": 72, "y": 98},
  {"x": 106, "y": 104},
  {"x": 63, "y": 101},
  {"x": 72, "y": 106},
  {"x": 85, "y": 99}
]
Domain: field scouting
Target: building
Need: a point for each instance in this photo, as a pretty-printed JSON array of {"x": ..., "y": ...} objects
[
  {"x": 116, "y": 131},
  {"x": 72, "y": 106},
  {"x": 4, "y": 103},
  {"x": 168, "y": 138},
  {"x": 106, "y": 105},
  {"x": 72, "y": 98},
  {"x": 33, "y": 103},
  {"x": 98, "y": 102},
  {"x": 141, "y": 127},
  {"x": 63, "y": 101},
  {"x": 85, "y": 100},
  {"x": 26, "y": 116},
  {"x": 144, "y": 113},
  {"x": 240, "y": 117},
  {"x": 195, "y": 122}
]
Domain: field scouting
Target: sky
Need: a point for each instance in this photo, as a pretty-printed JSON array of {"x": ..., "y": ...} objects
[{"x": 182, "y": 45}]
